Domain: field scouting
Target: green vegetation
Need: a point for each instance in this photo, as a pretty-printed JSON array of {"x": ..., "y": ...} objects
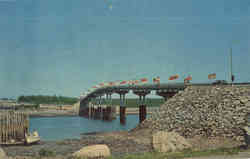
[
  {"x": 180, "y": 155},
  {"x": 40, "y": 99},
  {"x": 33, "y": 106},
  {"x": 46, "y": 153},
  {"x": 133, "y": 102},
  {"x": 188, "y": 153}
]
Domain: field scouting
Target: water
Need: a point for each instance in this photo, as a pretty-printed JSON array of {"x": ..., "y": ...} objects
[{"x": 58, "y": 128}]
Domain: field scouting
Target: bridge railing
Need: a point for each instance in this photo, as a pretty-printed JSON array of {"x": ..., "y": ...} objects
[{"x": 179, "y": 86}]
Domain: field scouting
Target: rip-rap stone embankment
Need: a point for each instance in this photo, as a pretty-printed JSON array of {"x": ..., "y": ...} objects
[{"x": 208, "y": 111}]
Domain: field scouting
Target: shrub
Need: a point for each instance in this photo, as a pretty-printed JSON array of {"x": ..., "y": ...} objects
[{"x": 46, "y": 153}]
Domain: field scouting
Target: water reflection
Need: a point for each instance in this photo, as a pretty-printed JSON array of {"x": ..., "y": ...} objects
[{"x": 57, "y": 128}]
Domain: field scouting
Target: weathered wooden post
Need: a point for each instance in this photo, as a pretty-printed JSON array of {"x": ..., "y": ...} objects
[{"x": 13, "y": 126}]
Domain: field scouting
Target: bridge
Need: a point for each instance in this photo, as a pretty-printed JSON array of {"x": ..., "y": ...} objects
[{"x": 165, "y": 90}]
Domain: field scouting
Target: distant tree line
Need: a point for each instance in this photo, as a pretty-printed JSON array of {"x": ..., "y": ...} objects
[
  {"x": 7, "y": 99},
  {"x": 60, "y": 100},
  {"x": 41, "y": 99}
]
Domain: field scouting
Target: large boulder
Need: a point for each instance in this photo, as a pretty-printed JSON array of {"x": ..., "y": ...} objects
[
  {"x": 169, "y": 142},
  {"x": 93, "y": 151},
  {"x": 2, "y": 154}
]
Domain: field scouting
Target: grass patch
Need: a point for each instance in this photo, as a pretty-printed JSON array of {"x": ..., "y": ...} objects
[
  {"x": 180, "y": 155},
  {"x": 61, "y": 142}
]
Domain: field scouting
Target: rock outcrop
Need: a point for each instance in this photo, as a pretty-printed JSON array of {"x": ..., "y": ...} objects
[
  {"x": 208, "y": 111},
  {"x": 93, "y": 151},
  {"x": 169, "y": 142}
]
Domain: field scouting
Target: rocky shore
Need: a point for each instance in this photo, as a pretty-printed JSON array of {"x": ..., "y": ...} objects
[
  {"x": 120, "y": 143},
  {"x": 208, "y": 111}
]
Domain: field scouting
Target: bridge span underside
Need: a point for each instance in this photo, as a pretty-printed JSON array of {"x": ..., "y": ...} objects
[
  {"x": 87, "y": 109},
  {"x": 98, "y": 111}
]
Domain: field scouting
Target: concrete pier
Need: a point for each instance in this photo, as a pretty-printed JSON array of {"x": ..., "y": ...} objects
[
  {"x": 142, "y": 113},
  {"x": 123, "y": 115},
  {"x": 165, "y": 94},
  {"x": 96, "y": 108},
  {"x": 122, "y": 94},
  {"x": 142, "y": 104}
]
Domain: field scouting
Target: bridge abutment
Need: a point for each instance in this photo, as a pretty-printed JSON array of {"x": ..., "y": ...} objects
[{"x": 84, "y": 108}]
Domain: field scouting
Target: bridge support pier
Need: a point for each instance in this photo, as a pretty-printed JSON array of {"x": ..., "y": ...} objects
[
  {"x": 142, "y": 104},
  {"x": 107, "y": 111},
  {"x": 166, "y": 94},
  {"x": 90, "y": 108},
  {"x": 122, "y": 94},
  {"x": 122, "y": 109},
  {"x": 111, "y": 109},
  {"x": 96, "y": 110},
  {"x": 142, "y": 109},
  {"x": 99, "y": 109}
]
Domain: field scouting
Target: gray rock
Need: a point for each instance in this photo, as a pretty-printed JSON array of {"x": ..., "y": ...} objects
[
  {"x": 247, "y": 104},
  {"x": 208, "y": 110},
  {"x": 244, "y": 100},
  {"x": 93, "y": 151},
  {"x": 2, "y": 154},
  {"x": 169, "y": 142},
  {"x": 236, "y": 102}
]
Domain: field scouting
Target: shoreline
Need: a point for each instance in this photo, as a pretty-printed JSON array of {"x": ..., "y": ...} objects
[
  {"x": 63, "y": 113},
  {"x": 135, "y": 111},
  {"x": 121, "y": 143},
  {"x": 51, "y": 113},
  {"x": 117, "y": 141}
]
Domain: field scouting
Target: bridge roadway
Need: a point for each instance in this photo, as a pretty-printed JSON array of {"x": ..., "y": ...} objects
[
  {"x": 166, "y": 90},
  {"x": 146, "y": 87}
]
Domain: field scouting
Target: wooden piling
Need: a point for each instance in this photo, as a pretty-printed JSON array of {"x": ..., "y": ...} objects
[{"x": 13, "y": 126}]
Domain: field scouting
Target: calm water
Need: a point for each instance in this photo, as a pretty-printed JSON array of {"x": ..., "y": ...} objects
[{"x": 57, "y": 128}]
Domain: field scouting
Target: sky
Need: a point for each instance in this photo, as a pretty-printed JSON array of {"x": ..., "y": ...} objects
[{"x": 64, "y": 47}]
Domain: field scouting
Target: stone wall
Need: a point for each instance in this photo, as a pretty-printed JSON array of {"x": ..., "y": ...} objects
[{"x": 205, "y": 111}]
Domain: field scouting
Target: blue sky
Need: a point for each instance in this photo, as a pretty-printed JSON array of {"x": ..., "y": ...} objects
[{"x": 64, "y": 47}]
